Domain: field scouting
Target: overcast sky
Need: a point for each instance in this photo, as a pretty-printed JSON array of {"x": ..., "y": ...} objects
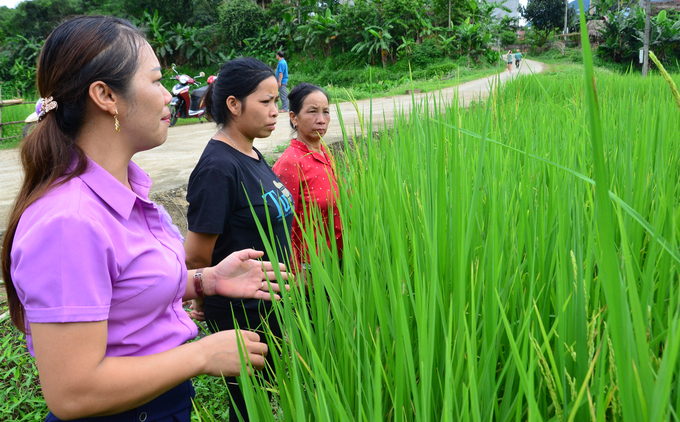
[{"x": 9, "y": 3}]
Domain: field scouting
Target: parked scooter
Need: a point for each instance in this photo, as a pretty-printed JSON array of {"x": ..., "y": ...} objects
[{"x": 186, "y": 103}]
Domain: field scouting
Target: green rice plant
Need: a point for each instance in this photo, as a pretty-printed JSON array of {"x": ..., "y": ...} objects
[
  {"x": 15, "y": 113},
  {"x": 516, "y": 260},
  {"x": 667, "y": 77}
]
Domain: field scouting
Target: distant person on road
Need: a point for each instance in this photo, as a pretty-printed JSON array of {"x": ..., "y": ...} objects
[
  {"x": 509, "y": 59},
  {"x": 282, "y": 80},
  {"x": 308, "y": 170},
  {"x": 230, "y": 176},
  {"x": 518, "y": 59},
  {"x": 94, "y": 270}
]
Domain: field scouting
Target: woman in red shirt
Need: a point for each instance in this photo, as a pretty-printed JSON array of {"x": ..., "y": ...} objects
[{"x": 308, "y": 170}]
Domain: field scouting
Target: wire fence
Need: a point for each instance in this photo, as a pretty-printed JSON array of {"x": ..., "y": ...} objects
[{"x": 9, "y": 103}]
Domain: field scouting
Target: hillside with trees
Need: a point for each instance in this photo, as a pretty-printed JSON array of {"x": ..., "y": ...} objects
[{"x": 332, "y": 42}]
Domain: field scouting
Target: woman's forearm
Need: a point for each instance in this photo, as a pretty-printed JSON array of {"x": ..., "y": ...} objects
[{"x": 79, "y": 381}]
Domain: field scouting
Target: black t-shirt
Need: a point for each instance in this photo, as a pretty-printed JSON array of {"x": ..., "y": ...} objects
[{"x": 219, "y": 191}]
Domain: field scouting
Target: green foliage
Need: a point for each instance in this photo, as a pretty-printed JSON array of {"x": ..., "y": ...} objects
[
  {"x": 240, "y": 19},
  {"x": 177, "y": 43},
  {"x": 377, "y": 39},
  {"x": 353, "y": 20},
  {"x": 546, "y": 16},
  {"x": 202, "y": 33},
  {"x": 474, "y": 39},
  {"x": 318, "y": 32},
  {"x": 624, "y": 32},
  {"x": 20, "y": 395},
  {"x": 158, "y": 33},
  {"x": 423, "y": 54},
  {"x": 18, "y": 61},
  {"x": 173, "y": 11},
  {"x": 37, "y": 18},
  {"x": 508, "y": 38}
]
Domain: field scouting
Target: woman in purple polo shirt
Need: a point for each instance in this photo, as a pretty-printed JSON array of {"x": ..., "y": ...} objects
[{"x": 95, "y": 272}]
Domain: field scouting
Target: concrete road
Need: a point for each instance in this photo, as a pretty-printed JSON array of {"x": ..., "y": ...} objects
[{"x": 171, "y": 164}]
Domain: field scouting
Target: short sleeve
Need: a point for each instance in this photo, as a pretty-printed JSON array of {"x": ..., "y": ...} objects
[
  {"x": 64, "y": 268},
  {"x": 288, "y": 171},
  {"x": 209, "y": 195}
]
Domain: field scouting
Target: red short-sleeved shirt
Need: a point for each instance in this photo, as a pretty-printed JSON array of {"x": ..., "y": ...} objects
[{"x": 310, "y": 177}]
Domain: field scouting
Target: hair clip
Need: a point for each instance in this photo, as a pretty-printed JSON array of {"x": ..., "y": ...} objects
[{"x": 46, "y": 105}]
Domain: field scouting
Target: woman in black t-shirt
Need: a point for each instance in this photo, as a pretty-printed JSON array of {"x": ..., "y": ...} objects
[{"x": 230, "y": 176}]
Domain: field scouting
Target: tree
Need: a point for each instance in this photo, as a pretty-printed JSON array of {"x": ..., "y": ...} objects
[
  {"x": 241, "y": 19},
  {"x": 545, "y": 16}
]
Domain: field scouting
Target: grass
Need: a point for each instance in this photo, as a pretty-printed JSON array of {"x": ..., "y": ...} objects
[
  {"x": 13, "y": 114},
  {"x": 425, "y": 85},
  {"x": 20, "y": 395}
]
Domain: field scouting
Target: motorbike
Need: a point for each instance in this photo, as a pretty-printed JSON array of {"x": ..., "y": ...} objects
[{"x": 186, "y": 103}]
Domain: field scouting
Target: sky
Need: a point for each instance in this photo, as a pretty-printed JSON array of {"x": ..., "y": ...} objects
[{"x": 9, "y": 3}]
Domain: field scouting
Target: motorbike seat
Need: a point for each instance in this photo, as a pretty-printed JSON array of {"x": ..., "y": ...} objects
[{"x": 196, "y": 96}]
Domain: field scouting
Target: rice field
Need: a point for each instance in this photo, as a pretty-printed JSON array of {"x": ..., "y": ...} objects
[
  {"x": 14, "y": 113},
  {"x": 514, "y": 261}
]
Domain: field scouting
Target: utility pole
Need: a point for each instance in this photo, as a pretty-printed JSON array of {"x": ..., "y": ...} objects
[
  {"x": 566, "y": 13},
  {"x": 645, "y": 45}
]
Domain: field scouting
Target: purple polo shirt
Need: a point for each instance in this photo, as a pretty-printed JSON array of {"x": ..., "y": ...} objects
[{"x": 93, "y": 250}]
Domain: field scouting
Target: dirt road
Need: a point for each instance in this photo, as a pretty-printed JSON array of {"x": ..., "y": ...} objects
[{"x": 171, "y": 164}]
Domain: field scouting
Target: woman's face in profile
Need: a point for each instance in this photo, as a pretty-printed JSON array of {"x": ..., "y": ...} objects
[
  {"x": 146, "y": 117},
  {"x": 256, "y": 116},
  {"x": 314, "y": 117}
]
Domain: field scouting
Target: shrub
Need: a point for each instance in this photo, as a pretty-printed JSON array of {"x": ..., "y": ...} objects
[
  {"x": 240, "y": 19},
  {"x": 425, "y": 52},
  {"x": 508, "y": 38}
]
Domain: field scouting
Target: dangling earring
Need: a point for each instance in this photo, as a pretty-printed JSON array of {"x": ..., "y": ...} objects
[{"x": 116, "y": 123}]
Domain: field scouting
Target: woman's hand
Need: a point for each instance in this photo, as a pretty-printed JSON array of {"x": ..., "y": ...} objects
[
  {"x": 240, "y": 275},
  {"x": 222, "y": 352},
  {"x": 196, "y": 309}
]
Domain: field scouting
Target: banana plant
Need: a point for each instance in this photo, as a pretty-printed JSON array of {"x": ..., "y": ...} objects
[
  {"x": 158, "y": 35},
  {"x": 319, "y": 31},
  {"x": 376, "y": 39},
  {"x": 473, "y": 38}
]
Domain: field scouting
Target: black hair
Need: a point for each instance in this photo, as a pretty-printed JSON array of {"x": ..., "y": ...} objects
[
  {"x": 281, "y": 54},
  {"x": 238, "y": 78},
  {"x": 298, "y": 94}
]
